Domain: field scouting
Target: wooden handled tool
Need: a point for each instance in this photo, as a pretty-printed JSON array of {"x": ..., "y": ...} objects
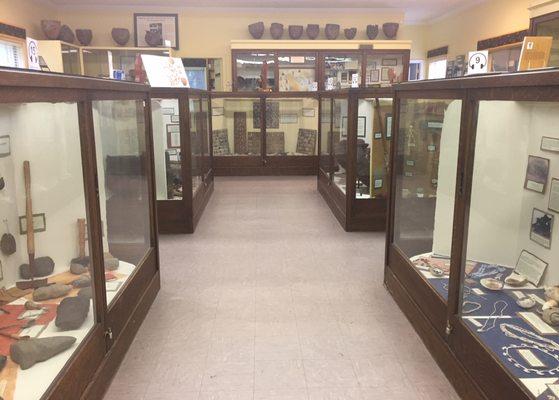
[
  {"x": 81, "y": 237},
  {"x": 29, "y": 217}
]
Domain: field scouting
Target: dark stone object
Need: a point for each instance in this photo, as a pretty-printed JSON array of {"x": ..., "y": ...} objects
[
  {"x": 8, "y": 244},
  {"x": 390, "y": 29},
  {"x": 332, "y": 31},
  {"x": 111, "y": 263},
  {"x": 372, "y": 31},
  {"x": 78, "y": 268},
  {"x": 121, "y": 36},
  {"x": 66, "y": 34},
  {"x": 154, "y": 38},
  {"x": 51, "y": 28},
  {"x": 350, "y": 33},
  {"x": 276, "y": 30},
  {"x": 295, "y": 31},
  {"x": 51, "y": 292},
  {"x": 82, "y": 281},
  {"x": 2, "y": 183},
  {"x": 28, "y": 352},
  {"x": 256, "y": 30},
  {"x": 85, "y": 36},
  {"x": 313, "y": 30},
  {"x": 86, "y": 292},
  {"x": 3, "y": 361},
  {"x": 43, "y": 266},
  {"x": 71, "y": 313}
]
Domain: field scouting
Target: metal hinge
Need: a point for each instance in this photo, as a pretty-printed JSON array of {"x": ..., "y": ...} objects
[
  {"x": 448, "y": 330},
  {"x": 109, "y": 337}
]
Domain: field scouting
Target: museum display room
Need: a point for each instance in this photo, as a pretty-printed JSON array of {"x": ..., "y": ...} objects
[
  {"x": 78, "y": 248},
  {"x": 183, "y": 156},
  {"x": 471, "y": 237},
  {"x": 355, "y": 139}
]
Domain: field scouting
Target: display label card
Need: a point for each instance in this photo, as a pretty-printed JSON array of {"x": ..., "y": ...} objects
[
  {"x": 409, "y": 174},
  {"x": 553, "y": 195},
  {"x": 531, "y": 358},
  {"x": 431, "y": 147},
  {"x": 378, "y": 135},
  {"x": 537, "y": 323},
  {"x": 297, "y": 60},
  {"x": 410, "y": 163},
  {"x": 531, "y": 267},
  {"x": 314, "y": 87},
  {"x": 165, "y": 71},
  {"x": 550, "y": 144},
  {"x": 435, "y": 125},
  {"x": 33, "y": 54},
  {"x": 378, "y": 183},
  {"x": 478, "y": 62},
  {"x": 330, "y": 83},
  {"x": 537, "y": 299},
  {"x": 554, "y": 388}
]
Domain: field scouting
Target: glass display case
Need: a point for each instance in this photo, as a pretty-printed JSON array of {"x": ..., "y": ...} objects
[
  {"x": 249, "y": 69},
  {"x": 470, "y": 245},
  {"x": 386, "y": 67},
  {"x": 297, "y": 71},
  {"x": 548, "y": 25},
  {"x": 265, "y": 133},
  {"x": 75, "y": 171},
  {"x": 183, "y": 158},
  {"x": 341, "y": 68},
  {"x": 355, "y": 134}
]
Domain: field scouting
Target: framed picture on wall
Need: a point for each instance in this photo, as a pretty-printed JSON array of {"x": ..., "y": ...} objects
[
  {"x": 374, "y": 76},
  {"x": 550, "y": 144},
  {"x": 173, "y": 136},
  {"x": 217, "y": 111},
  {"x": 289, "y": 118},
  {"x": 553, "y": 204},
  {"x": 541, "y": 228},
  {"x": 537, "y": 172},
  {"x": 156, "y": 29},
  {"x": 389, "y": 62},
  {"x": 308, "y": 112},
  {"x": 385, "y": 74},
  {"x": 388, "y": 125},
  {"x": 361, "y": 127}
]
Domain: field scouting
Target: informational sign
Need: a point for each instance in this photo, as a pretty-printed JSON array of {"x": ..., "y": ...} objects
[
  {"x": 478, "y": 62},
  {"x": 535, "y": 52},
  {"x": 330, "y": 83},
  {"x": 165, "y": 71},
  {"x": 355, "y": 80},
  {"x": 33, "y": 54}
]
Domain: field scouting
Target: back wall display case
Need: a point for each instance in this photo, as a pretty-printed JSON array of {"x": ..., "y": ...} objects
[
  {"x": 355, "y": 141},
  {"x": 471, "y": 250},
  {"x": 265, "y": 133},
  {"x": 183, "y": 156},
  {"x": 78, "y": 249}
]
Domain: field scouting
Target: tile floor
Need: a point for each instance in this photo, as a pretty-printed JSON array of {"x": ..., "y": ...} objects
[{"x": 271, "y": 299}]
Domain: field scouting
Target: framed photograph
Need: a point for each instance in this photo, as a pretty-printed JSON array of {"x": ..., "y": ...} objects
[
  {"x": 167, "y": 110},
  {"x": 308, "y": 112},
  {"x": 378, "y": 184},
  {"x": 536, "y": 174},
  {"x": 5, "y": 149},
  {"x": 217, "y": 111},
  {"x": 39, "y": 223},
  {"x": 389, "y": 62},
  {"x": 531, "y": 267},
  {"x": 388, "y": 125},
  {"x": 431, "y": 147},
  {"x": 550, "y": 144},
  {"x": 541, "y": 228},
  {"x": 374, "y": 76},
  {"x": 385, "y": 76},
  {"x": 553, "y": 204},
  {"x": 175, "y": 119},
  {"x": 164, "y": 25},
  {"x": 289, "y": 118},
  {"x": 173, "y": 136},
  {"x": 361, "y": 126},
  {"x": 378, "y": 135}
]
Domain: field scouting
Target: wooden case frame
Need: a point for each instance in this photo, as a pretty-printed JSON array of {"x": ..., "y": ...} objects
[
  {"x": 353, "y": 214},
  {"x": 182, "y": 216},
  {"x": 89, "y": 371},
  {"x": 473, "y": 370}
]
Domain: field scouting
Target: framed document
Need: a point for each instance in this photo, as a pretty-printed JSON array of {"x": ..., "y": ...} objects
[
  {"x": 531, "y": 267},
  {"x": 554, "y": 195},
  {"x": 165, "y": 26},
  {"x": 173, "y": 136},
  {"x": 541, "y": 228},
  {"x": 550, "y": 144},
  {"x": 175, "y": 119},
  {"x": 536, "y": 174},
  {"x": 361, "y": 124},
  {"x": 388, "y": 124}
]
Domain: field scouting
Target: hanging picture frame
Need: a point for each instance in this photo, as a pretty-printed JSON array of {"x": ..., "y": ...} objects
[
  {"x": 175, "y": 119},
  {"x": 388, "y": 125},
  {"x": 167, "y": 25},
  {"x": 173, "y": 136},
  {"x": 553, "y": 204},
  {"x": 537, "y": 172},
  {"x": 541, "y": 228}
]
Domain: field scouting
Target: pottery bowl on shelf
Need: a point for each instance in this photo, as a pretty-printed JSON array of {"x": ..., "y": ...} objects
[
  {"x": 295, "y": 31},
  {"x": 276, "y": 30},
  {"x": 85, "y": 36},
  {"x": 372, "y": 32},
  {"x": 256, "y": 30},
  {"x": 332, "y": 31},
  {"x": 121, "y": 36},
  {"x": 390, "y": 29},
  {"x": 66, "y": 34},
  {"x": 51, "y": 28},
  {"x": 350, "y": 33},
  {"x": 312, "y": 31}
]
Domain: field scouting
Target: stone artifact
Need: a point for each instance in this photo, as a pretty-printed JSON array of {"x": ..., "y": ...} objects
[
  {"x": 82, "y": 281},
  {"x": 121, "y": 36},
  {"x": 86, "y": 292},
  {"x": 111, "y": 263},
  {"x": 332, "y": 31},
  {"x": 154, "y": 38},
  {"x": 8, "y": 242},
  {"x": 272, "y": 115},
  {"x": 66, "y": 34},
  {"x": 51, "y": 28},
  {"x": 71, "y": 313},
  {"x": 313, "y": 30},
  {"x": 551, "y": 316},
  {"x": 295, "y": 31},
  {"x": 240, "y": 132},
  {"x": 552, "y": 293},
  {"x": 3, "y": 361},
  {"x": 275, "y": 143},
  {"x": 306, "y": 141},
  {"x": 276, "y": 30},
  {"x": 350, "y": 33},
  {"x": 516, "y": 280},
  {"x": 42, "y": 266},
  {"x": 526, "y": 302},
  {"x": 254, "y": 143},
  {"x": 390, "y": 29},
  {"x": 372, "y": 31},
  {"x": 31, "y": 305},
  {"x": 221, "y": 142},
  {"x": 256, "y": 30},
  {"x": 78, "y": 269},
  {"x": 85, "y": 36},
  {"x": 2, "y": 183},
  {"x": 28, "y": 352},
  {"x": 51, "y": 292}
]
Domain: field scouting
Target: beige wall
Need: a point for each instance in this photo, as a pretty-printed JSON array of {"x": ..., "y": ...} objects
[{"x": 26, "y": 14}]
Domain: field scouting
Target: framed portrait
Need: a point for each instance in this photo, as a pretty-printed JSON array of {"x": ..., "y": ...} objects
[
  {"x": 388, "y": 125},
  {"x": 537, "y": 172},
  {"x": 289, "y": 118},
  {"x": 39, "y": 223},
  {"x": 164, "y": 25},
  {"x": 308, "y": 112},
  {"x": 173, "y": 136},
  {"x": 175, "y": 119},
  {"x": 389, "y": 62},
  {"x": 217, "y": 111},
  {"x": 550, "y": 144},
  {"x": 541, "y": 228},
  {"x": 385, "y": 75},
  {"x": 553, "y": 204}
]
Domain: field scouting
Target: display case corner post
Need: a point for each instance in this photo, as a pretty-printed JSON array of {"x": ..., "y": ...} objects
[
  {"x": 353, "y": 112},
  {"x": 150, "y": 161},
  {"x": 392, "y": 178},
  {"x": 185, "y": 128},
  {"x": 263, "y": 131}
]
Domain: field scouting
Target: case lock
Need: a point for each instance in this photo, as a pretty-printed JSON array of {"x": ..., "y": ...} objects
[
  {"x": 109, "y": 334},
  {"x": 448, "y": 330}
]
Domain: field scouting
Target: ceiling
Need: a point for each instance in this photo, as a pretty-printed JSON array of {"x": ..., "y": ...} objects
[{"x": 415, "y": 10}]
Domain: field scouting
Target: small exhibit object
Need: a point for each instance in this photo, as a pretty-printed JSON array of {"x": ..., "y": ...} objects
[
  {"x": 526, "y": 302},
  {"x": 549, "y": 305},
  {"x": 492, "y": 284},
  {"x": 39, "y": 223},
  {"x": 531, "y": 267},
  {"x": 536, "y": 322},
  {"x": 551, "y": 316},
  {"x": 535, "y": 52},
  {"x": 51, "y": 292},
  {"x": 541, "y": 228},
  {"x": 42, "y": 266},
  {"x": 478, "y": 62},
  {"x": 553, "y": 204},
  {"x": 537, "y": 172},
  {"x": 516, "y": 280},
  {"x": 8, "y": 242},
  {"x": 5, "y": 146},
  {"x": 71, "y": 313},
  {"x": 550, "y": 144},
  {"x": 28, "y": 352}
]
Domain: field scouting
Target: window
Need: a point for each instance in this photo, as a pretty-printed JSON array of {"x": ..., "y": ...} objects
[
  {"x": 11, "y": 54},
  {"x": 437, "y": 69},
  {"x": 417, "y": 70}
]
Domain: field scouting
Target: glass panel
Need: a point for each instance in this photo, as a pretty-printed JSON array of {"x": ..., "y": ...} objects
[
  {"x": 120, "y": 140},
  {"x": 46, "y": 135},
  {"x": 505, "y": 60},
  {"x": 374, "y": 131},
  {"x": 339, "y": 142},
  {"x": 205, "y": 118},
  {"x": 251, "y": 67},
  {"x": 297, "y": 72},
  {"x": 196, "y": 139},
  {"x": 385, "y": 69},
  {"x": 550, "y": 28},
  {"x": 510, "y": 257},
  {"x": 71, "y": 60},
  {"x": 167, "y": 146},
  {"x": 291, "y": 127},
  {"x": 339, "y": 69},
  {"x": 425, "y": 167},
  {"x": 325, "y": 131},
  {"x": 236, "y": 127}
]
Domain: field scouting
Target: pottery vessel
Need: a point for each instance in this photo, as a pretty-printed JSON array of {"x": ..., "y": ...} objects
[
  {"x": 51, "y": 28},
  {"x": 313, "y": 30},
  {"x": 296, "y": 31},
  {"x": 121, "y": 36},
  {"x": 390, "y": 29},
  {"x": 350, "y": 33},
  {"x": 84, "y": 36},
  {"x": 276, "y": 30},
  {"x": 332, "y": 31},
  {"x": 256, "y": 30},
  {"x": 66, "y": 34},
  {"x": 154, "y": 39},
  {"x": 372, "y": 31}
]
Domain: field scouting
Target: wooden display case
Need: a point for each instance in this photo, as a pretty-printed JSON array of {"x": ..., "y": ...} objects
[
  {"x": 484, "y": 163},
  {"x": 183, "y": 157},
  {"x": 355, "y": 141},
  {"x": 81, "y": 149}
]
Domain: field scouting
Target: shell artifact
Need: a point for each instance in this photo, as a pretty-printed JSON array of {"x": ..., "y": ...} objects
[
  {"x": 256, "y": 30},
  {"x": 390, "y": 29},
  {"x": 549, "y": 304},
  {"x": 552, "y": 293},
  {"x": 51, "y": 28},
  {"x": 492, "y": 284},
  {"x": 276, "y": 30},
  {"x": 84, "y": 36},
  {"x": 372, "y": 31},
  {"x": 332, "y": 31},
  {"x": 66, "y": 34},
  {"x": 516, "y": 280},
  {"x": 121, "y": 36},
  {"x": 350, "y": 33},
  {"x": 313, "y": 30},
  {"x": 295, "y": 31},
  {"x": 31, "y": 305},
  {"x": 551, "y": 316},
  {"x": 526, "y": 302}
]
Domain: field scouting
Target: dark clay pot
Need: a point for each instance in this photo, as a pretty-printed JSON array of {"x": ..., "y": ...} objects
[
  {"x": 85, "y": 36},
  {"x": 51, "y": 28},
  {"x": 276, "y": 30},
  {"x": 256, "y": 30},
  {"x": 350, "y": 33},
  {"x": 66, "y": 34},
  {"x": 390, "y": 29},
  {"x": 313, "y": 30},
  {"x": 121, "y": 36},
  {"x": 332, "y": 31},
  {"x": 372, "y": 31},
  {"x": 296, "y": 31}
]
